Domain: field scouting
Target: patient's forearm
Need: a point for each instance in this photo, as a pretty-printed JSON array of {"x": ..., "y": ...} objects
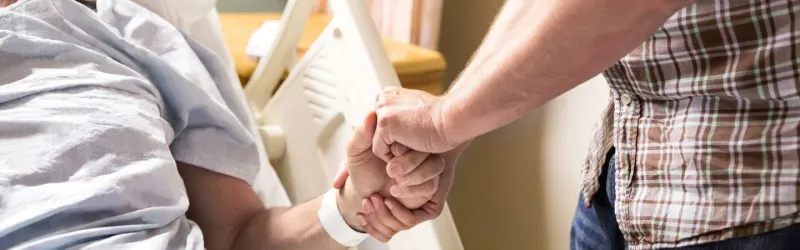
[
  {"x": 297, "y": 227},
  {"x": 554, "y": 47},
  {"x": 231, "y": 216}
]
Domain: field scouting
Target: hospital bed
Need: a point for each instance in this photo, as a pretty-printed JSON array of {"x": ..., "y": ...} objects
[{"x": 306, "y": 123}]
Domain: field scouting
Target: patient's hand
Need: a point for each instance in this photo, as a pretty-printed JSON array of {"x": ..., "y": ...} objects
[
  {"x": 368, "y": 176},
  {"x": 384, "y": 215},
  {"x": 368, "y": 172}
]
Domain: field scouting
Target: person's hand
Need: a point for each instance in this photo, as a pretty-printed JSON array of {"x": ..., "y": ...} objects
[
  {"x": 368, "y": 172},
  {"x": 411, "y": 118},
  {"x": 412, "y": 194},
  {"x": 385, "y": 216}
]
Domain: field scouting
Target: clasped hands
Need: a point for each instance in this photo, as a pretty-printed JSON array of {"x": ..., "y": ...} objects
[{"x": 400, "y": 161}]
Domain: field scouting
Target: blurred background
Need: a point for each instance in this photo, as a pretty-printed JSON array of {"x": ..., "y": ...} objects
[{"x": 517, "y": 187}]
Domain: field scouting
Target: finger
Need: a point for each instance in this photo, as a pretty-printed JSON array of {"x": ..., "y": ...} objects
[
  {"x": 381, "y": 143},
  {"x": 361, "y": 141},
  {"x": 399, "y": 149},
  {"x": 402, "y": 165},
  {"x": 400, "y": 212},
  {"x": 428, "y": 211},
  {"x": 427, "y": 189},
  {"x": 432, "y": 167},
  {"x": 446, "y": 178},
  {"x": 372, "y": 219},
  {"x": 385, "y": 216},
  {"x": 372, "y": 231},
  {"x": 338, "y": 182}
]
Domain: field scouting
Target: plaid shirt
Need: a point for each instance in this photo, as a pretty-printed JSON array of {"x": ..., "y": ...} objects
[{"x": 705, "y": 119}]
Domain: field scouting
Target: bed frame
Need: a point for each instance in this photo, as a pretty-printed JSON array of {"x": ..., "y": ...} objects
[{"x": 306, "y": 124}]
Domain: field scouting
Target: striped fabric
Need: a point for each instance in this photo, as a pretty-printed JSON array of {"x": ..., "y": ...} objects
[{"x": 705, "y": 119}]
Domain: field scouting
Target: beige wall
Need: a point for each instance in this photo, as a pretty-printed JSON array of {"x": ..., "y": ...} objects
[{"x": 517, "y": 187}]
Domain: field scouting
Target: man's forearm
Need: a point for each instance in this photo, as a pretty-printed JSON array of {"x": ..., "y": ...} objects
[
  {"x": 297, "y": 227},
  {"x": 504, "y": 26},
  {"x": 553, "y": 47}
]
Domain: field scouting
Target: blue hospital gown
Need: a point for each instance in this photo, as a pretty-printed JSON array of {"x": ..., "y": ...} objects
[{"x": 92, "y": 122}]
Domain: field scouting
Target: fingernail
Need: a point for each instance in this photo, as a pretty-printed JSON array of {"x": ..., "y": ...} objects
[
  {"x": 395, "y": 190},
  {"x": 395, "y": 170},
  {"x": 389, "y": 204},
  {"x": 367, "y": 206},
  {"x": 376, "y": 202},
  {"x": 361, "y": 220}
]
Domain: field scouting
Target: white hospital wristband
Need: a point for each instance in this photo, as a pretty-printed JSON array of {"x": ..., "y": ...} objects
[{"x": 334, "y": 223}]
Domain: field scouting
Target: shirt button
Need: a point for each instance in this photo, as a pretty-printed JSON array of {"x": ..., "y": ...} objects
[{"x": 626, "y": 99}]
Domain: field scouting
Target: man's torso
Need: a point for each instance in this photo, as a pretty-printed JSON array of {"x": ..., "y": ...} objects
[{"x": 704, "y": 117}]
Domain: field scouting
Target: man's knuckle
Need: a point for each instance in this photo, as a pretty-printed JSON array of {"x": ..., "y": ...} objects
[{"x": 385, "y": 117}]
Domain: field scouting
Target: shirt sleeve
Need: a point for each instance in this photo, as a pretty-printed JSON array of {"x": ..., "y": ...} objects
[
  {"x": 214, "y": 149},
  {"x": 207, "y": 114}
]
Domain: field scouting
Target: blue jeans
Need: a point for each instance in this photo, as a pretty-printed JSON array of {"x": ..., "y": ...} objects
[{"x": 596, "y": 227}]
